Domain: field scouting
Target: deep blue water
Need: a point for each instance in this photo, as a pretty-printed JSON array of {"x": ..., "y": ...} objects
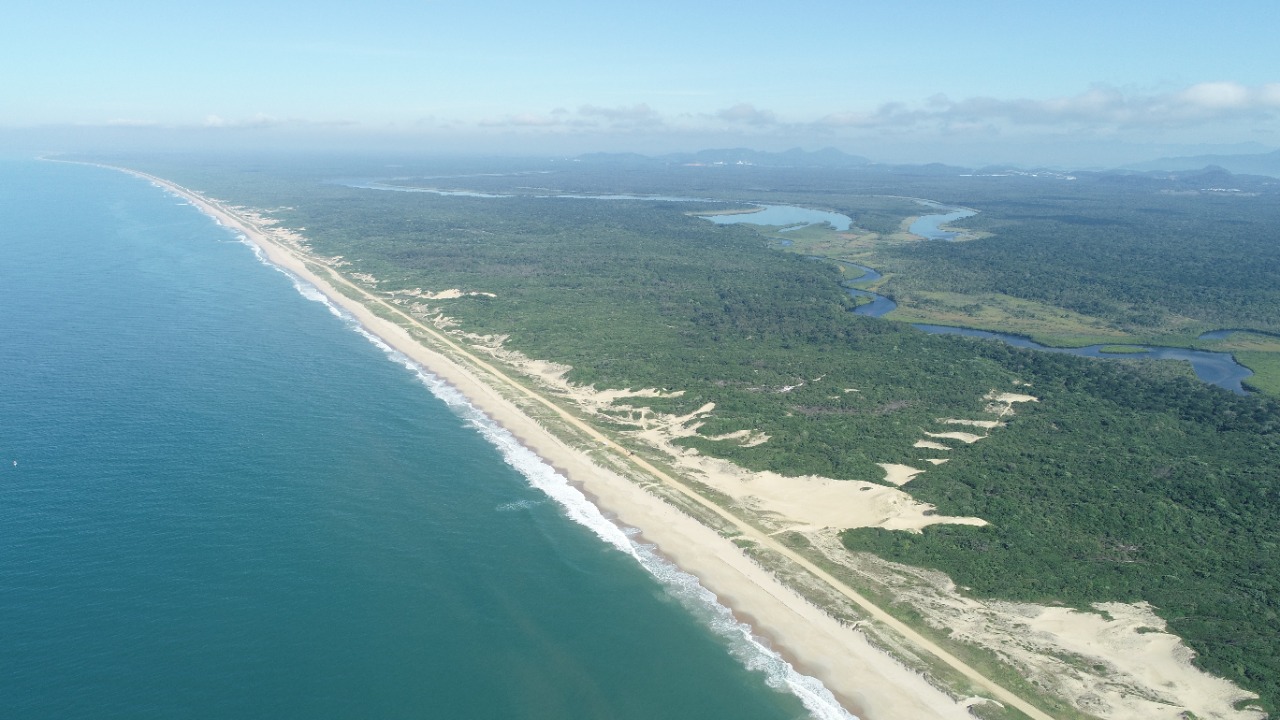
[
  {"x": 228, "y": 503},
  {"x": 879, "y": 305}
]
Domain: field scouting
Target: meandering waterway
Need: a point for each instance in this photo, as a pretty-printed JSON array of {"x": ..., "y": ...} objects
[
  {"x": 929, "y": 227},
  {"x": 1216, "y": 368}
]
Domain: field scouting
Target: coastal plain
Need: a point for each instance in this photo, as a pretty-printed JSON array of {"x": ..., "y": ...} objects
[{"x": 718, "y": 499}]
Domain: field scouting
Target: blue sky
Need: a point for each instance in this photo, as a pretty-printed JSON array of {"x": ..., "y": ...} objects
[{"x": 911, "y": 81}]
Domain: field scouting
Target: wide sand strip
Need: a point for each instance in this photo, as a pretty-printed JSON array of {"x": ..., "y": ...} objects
[{"x": 867, "y": 680}]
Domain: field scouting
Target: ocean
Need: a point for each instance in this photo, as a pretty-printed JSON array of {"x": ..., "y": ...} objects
[{"x": 220, "y": 499}]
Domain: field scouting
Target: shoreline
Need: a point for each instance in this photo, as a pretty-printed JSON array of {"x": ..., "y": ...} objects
[{"x": 865, "y": 680}]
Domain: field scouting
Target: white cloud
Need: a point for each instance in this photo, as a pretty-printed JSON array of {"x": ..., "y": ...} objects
[
  {"x": 640, "y": 114},
  {"x": 130, "y": 123},
  {"x": 1099, "y": 107},
  {"x": 1216, "y": 95},
  {"x": 586, "y": 117},
  {"x": 262, "y": 121},
  {"x": 748, "y": 114},
  {"x": 524, "y": 120}
]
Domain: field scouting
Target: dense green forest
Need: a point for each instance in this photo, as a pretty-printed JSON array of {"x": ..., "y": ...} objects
[{"x": 1126, "y": 482}]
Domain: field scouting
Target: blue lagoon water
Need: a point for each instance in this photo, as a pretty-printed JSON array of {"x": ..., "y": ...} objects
[
  {"x": 789, "y": 216},
  {"x": 929, "y": 227},
  {"x": 226, "y": 503}
]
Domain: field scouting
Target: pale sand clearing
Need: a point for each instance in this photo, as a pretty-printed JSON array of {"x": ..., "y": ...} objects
[
  {"x": 450, "y": 294},
  {"x": 935, "y": 461},
  {"x": 749, "y": 438},
  {"x": 1010, "y": 398},
  {"x": 735, "y": 435},
  {"x": 963, "y": 437},
  {"x": 808, "y": 502},
  {"x": 866, "y": 679},
  {"x": 1002, "y": 403},
  {"x": 804, "y": 502},
  {"x": 985, "y": 424},
  {"x": 931, "y": 445},
  {"x": 811, "y": 503},
  {"x": 1155, "y": 660},
  {"x": 1105, "y": 667},
  {"x": 899, "y": 474}
]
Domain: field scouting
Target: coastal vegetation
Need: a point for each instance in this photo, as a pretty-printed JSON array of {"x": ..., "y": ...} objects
[
  {"x": 1147, "y": 264},
  {"x": 1127, "y": 481}
]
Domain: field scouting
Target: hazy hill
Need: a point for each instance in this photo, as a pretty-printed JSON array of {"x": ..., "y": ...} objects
[
  {"x": 795, "y": 157},
  {"x": 1255, "y": 164}
]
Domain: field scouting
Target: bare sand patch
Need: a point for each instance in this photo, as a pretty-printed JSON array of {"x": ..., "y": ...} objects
[
  {"x": 931, "y": 445},
  {"x": 1122, "y": 665},
  {"x": 1001, "y": 404},
  {"x": 985, "y": 424},
  {"x": 935, "y": 461},
  {"x": 806, "y": 501},
  {"x": 813, "y": 502},
  {"x": 748, "y": 438},
  {"x": 898, "y": 474},
  {"x": 450, "y": 294},
  {"x": 1011, "y": 398},
  {"x": 963, "y": 437}
]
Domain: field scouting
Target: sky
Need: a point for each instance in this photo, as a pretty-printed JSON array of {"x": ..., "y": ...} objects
[{"x": 1078, "y": 84}]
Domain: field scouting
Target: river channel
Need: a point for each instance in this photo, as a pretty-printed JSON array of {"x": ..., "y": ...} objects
[{"x": 1215, "y": 368}]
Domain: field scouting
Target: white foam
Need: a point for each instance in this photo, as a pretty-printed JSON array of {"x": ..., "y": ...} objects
[
  {"x": 748, "y": 649},
  {"x": 518, "y": 505}
]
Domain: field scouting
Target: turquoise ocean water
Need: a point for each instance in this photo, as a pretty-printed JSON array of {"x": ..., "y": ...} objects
[{"x": 229, "y": 503}]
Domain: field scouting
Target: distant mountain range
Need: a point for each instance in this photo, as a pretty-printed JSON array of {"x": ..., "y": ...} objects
[
  {"x": 1198, "y": 178},
  {"x": 1256, "y": 164},
  {"x": 1201, "y": 172}
]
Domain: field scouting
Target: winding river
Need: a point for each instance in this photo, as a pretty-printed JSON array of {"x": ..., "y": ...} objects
[
  {"x": 1216, "y": 368},
  {"x": 929, "y": 227}
]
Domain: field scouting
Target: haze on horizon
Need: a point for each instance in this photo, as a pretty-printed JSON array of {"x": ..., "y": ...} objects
[{"x": 1085, "y": 84}]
